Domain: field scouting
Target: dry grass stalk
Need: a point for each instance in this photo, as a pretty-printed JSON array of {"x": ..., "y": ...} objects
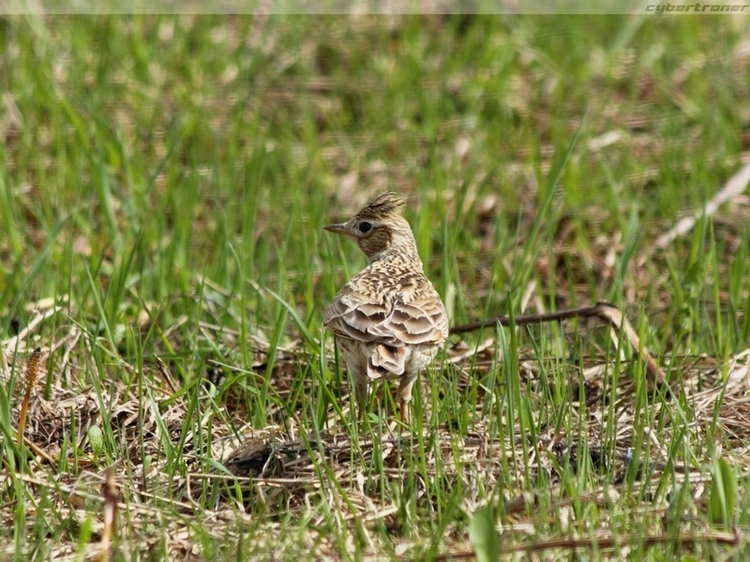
[
  {"x": 32, "y": 374},
  {"x": 109, "y": 493},
  {"x": 735, "y": 186}
]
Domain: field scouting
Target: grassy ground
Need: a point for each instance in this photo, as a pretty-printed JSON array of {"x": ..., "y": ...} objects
[{"x": 163, "y": 186}]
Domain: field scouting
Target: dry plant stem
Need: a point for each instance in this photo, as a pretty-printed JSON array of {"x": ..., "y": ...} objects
[
  {"x": 602, "y": 310},
  {"x": 109, "y": 493},
  {"x": 734, "y": 187},
  {"x": 609, "y": 543},
  {"x": 32, "y": 372}
]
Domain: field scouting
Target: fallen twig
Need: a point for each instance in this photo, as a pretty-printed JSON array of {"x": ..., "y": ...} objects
[{"x": 601, "y": 310}]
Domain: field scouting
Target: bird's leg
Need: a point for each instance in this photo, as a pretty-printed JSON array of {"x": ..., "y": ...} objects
[
  {"x": 403, "y": 406},
  {"x": 360, "y": 396},
  {"x": 403, "y": 394}
]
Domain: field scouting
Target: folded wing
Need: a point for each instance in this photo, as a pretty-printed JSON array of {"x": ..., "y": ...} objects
[{"x": 418, "y": 321}]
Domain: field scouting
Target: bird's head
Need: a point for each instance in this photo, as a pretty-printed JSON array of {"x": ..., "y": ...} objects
[{"x": 379, "y": 227}]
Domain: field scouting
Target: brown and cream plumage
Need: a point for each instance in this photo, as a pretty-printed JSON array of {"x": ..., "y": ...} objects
[{"x": 389, "y": 320}]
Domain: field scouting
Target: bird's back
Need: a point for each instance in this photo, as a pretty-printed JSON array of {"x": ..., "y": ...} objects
[{"x": 390, "y": 302}]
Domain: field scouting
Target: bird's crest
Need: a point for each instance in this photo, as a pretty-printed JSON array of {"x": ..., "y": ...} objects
[{"x": 388, "y": 203}]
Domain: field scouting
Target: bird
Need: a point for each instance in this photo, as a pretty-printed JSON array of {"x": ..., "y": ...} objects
[{"x": 388, "y": 320}]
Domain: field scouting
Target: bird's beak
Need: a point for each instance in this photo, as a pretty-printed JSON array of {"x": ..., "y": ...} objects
[{"x": 337, "y": 228}]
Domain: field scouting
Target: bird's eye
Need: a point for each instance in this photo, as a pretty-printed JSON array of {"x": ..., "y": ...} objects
[{"x": 365, "y": 227}]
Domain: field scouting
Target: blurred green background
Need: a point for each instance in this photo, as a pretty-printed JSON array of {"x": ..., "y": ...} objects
[{"x": 164, "y": 181}]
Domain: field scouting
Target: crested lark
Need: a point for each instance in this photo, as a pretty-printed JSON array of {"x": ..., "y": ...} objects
[{"x": 389, "y": 320}]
